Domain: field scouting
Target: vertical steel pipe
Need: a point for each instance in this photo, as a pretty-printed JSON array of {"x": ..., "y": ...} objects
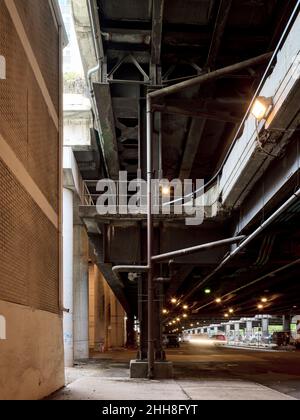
[{"x": 150, "y": 241}]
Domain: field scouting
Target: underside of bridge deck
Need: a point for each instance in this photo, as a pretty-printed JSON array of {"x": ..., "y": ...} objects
[{"x": 147, "y": 46}]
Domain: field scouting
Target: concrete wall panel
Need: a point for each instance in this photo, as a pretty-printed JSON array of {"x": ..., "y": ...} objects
[{"x": 32, "y": 360}]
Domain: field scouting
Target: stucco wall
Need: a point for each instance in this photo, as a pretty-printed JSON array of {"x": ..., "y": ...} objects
[{"x": 32, "y": 360}]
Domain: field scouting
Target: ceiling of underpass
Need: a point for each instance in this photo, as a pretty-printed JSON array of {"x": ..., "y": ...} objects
[
  {"x": 197, "y": 36},
  {"x": 198, "y": 126}
]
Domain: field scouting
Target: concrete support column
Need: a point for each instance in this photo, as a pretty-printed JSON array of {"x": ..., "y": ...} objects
[
  {"x": 91, "y": 307},
  {"x": 99, "y": 311},
  {"x": 96, "y": 310},
  {"x": 236, "y": 331},
  {"x": 117, "y": 323},
  {"x": 68, "y": 276},
  {"x": 81, "y": 305},
  {"x": 228, "y": 328},
  {"x": 248, "y": 329},
  {"x": 265, "y": 326},
  {"x": 286, "y": 323}
]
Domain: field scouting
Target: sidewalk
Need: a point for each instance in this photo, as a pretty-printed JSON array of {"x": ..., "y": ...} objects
[
  {"x": 99, "y": 388},
  {"x": 107, "y": 379}
]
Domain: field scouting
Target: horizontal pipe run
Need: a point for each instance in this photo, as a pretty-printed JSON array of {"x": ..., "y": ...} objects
[
  {"x": 250, "y": 238},
  {"x": 195, "y": 249},
  {"x": 204, "y": 78},
  {"x": 130, "y": 269}
]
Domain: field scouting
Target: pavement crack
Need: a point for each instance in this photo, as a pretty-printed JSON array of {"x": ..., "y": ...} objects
[{"x": 185, "y": 393}]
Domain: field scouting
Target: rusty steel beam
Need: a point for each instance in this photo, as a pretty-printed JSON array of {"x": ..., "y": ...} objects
[
  {"x": 157, "y": 24},
  {"x": 189, "y": 112},
  {"x": 220, "y": 25}
]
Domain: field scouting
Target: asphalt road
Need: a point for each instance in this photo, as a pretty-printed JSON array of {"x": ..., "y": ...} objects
[{"x": 279, "y": 370}]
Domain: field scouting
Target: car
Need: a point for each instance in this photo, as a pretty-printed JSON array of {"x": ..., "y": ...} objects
[
  {"x": 219, "y": 340},
  {"x": 172, "y": 341},
  {"x": 281, "y": 338}
]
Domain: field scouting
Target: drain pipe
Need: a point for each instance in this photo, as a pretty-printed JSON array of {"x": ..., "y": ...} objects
[
  {"x": 151, "y": 359},
  {"x": 249, "y": 239},
  {"x": 96, "y": 33}
]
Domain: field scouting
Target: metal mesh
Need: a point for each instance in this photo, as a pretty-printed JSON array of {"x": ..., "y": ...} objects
[
  {"x": 29, "y": 243},
  {"x": 38, "y": 21},
  {"x": 25, "y": 121},
  {"x": 29, "y": 259}
]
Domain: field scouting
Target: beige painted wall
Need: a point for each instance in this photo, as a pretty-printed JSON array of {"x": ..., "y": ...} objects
[{"x": 32, "y": 360}]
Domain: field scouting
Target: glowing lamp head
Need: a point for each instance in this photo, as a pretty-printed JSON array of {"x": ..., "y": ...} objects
[
  {"x": 165, "y": 190},
  {"x": 226, "y": 315},
  {"x": 207, "y": 291},
  {"x": 260, "y": 307},
  {"x": 264, "y": 300},
  {"x": 174, "y": 301},
  {"x": 219, "y": 300},
  {"x": 261, "y": 107},
  {"x": 184, "y": 315},
  {"x": 185, "y": 307}
]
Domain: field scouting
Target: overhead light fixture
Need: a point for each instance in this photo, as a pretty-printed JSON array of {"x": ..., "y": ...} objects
[
  {"x": 261, "y": 107},
  {"x": 178, "y": 319},
  {"x": 231, "y": 311},
  {"x": 185, "y": 307},
  {"x": 226, "y": 315},
  {"x": 174, "y": 300},
  {"x": 260, "y": 306},
  {"x": 264, "y": 300},
  {"x": 207, "y": 291},
  {"x": 219, "y": 300},
  {"x": 184, "y": 316},
  {"x": 164, "y": 311}
]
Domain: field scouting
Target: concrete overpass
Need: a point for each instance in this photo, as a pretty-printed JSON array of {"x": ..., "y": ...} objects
[
  {"x": 202, "y": 90},
  {"x": 203, "y": 127}
]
